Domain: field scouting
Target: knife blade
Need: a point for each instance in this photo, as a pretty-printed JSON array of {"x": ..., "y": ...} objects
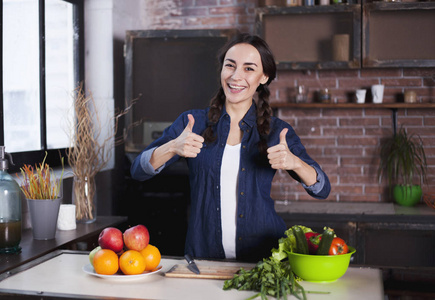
[{"x": 191, "y": 264}]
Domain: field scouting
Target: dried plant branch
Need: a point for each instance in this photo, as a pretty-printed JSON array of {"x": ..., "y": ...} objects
[{"x": 88, "y": 154}]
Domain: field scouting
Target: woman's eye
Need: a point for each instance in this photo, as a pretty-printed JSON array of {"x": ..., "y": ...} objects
[
  {"x": 249, "y": 69},
  {"x": 229, "y": 65}
]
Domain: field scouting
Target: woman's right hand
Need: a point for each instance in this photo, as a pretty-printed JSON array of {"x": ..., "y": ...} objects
[{"x": 188, "y": 143}]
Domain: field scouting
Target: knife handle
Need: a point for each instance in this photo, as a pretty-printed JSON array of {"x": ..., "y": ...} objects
[{"x": 188, "y": 258}]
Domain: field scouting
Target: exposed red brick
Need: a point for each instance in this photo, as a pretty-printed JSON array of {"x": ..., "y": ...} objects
[
  {"x": 409, "y": 121},
  {"x": 246, "y": 19},
  {"x": 337, "y": 73},
  {"x": 206, "y": 2},
  {"x": 429, "y": 121},
  {"x": 429, "y": 82},
  {"x": 351, "y": 189},
  {"x": 225, "y": 10},
  {"x": 401, "y": 81},
  {"x": 380, "y": 73},
  {"x": 353, "y": 84},
  {"x": 362, "y": 122},
  {"x": 356, "y": 141},
  {"x": 327, "y": 112},
  {"x": 419, "y": 72},
  {"x": 343, "y": 151},
  {"x": 356, "y": 161}
]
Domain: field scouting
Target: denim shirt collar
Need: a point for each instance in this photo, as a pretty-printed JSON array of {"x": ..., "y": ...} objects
[{"x": 250, "y": 117}]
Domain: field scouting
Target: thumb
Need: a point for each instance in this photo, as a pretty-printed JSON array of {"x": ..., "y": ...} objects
[
  {"x": 282, "y": 135},
  {"x": 189, "y": 126}
]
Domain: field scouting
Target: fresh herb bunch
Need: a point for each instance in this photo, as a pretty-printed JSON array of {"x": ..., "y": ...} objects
[{"x": 269, "y": 277}]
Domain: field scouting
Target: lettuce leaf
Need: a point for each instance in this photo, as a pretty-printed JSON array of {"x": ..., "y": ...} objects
[{"x": 287, "y": 244}]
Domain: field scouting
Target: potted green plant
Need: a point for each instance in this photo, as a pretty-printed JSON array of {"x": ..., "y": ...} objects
[
  {"x": 403, "y": 163},
  {"x": 42, "y": 190}
]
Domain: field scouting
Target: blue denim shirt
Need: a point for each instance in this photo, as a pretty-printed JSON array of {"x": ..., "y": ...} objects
[{"x": 258, "y": 225}]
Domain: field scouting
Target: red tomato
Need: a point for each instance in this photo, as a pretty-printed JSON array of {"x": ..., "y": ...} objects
[{"x": 338, "y": 246}]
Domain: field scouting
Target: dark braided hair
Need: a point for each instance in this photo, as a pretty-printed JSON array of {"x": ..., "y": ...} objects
[{"x": 264, "y": 112}]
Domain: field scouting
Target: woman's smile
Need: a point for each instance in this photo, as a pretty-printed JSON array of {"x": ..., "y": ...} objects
[{"x": 234, "y": 88}]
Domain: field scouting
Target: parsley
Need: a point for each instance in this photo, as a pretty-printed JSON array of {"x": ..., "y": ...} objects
[{"x": 269, "y": 277}]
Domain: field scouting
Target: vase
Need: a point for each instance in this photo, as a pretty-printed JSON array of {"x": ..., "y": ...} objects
[
  {"x": 84, "y": 196},
  {"x": 43, "y": 217},
  {"x": 407, "y": 195}
]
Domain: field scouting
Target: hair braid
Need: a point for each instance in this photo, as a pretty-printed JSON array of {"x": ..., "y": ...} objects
[
  {"x": 264, "y": 114},
  {"x": 216, "y": 104}
]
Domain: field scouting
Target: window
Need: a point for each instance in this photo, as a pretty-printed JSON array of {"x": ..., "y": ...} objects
[{"x": 42, "y": 63}]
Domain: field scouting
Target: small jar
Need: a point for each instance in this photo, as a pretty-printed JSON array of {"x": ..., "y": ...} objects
[
  {"x": 410, "y": 97},
  {"x": 325, "y": 96}
]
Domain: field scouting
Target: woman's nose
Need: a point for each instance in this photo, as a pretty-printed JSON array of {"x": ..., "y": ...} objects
[{"x": 237, "y": 74}]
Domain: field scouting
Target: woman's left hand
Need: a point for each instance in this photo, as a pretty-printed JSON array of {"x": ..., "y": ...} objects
[{"x": 280, "y": 156}]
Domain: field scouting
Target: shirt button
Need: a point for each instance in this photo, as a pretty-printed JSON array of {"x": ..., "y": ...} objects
[
  {"x": 242, "y": 193},
  {"x": 217, "y": 209},
  {"x": 243, "y": 169},
  {"x": 244, "y": 147},
  {"x": 241, "y": 215},
  {"x": 240, "y": 238},
  {"x": 243, "y": 123},
  {"x": 247, "y": 130}
]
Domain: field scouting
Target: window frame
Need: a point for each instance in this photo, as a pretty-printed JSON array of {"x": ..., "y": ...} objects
[{"x": 54, "y": 155}]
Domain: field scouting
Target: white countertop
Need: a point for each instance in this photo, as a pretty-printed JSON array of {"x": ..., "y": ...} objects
[{"x": 63, "y": 274}]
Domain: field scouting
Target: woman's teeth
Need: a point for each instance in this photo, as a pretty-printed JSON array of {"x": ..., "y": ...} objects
[{"x": 235, "y": 87}]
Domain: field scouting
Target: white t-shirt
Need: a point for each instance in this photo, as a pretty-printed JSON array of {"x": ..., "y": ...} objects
[{"x": 229, "y": 179}]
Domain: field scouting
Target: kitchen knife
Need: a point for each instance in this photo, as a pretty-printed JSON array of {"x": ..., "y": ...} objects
[{"x": 191, "y": 264}]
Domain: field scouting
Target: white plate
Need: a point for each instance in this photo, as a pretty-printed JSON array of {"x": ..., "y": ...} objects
[{"x": 89, "y": 269}]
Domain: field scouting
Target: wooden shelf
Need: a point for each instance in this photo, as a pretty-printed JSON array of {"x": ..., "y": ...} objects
[
  {"x": 352, "y": 105},
  {"x": 301, "y": 37},
  {"x": 398, "y": 34}
]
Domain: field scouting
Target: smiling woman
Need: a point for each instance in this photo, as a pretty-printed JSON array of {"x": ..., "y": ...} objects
[{"x": 232, "y": 214}]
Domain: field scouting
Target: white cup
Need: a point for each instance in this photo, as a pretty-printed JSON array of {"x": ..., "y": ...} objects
[
  {"x": 67, "y": 217},
  {"x": 360, "y": 96},
  {"x": 377, "y": 93}
]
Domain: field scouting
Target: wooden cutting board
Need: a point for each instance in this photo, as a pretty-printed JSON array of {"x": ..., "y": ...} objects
[{"x": 206, "y": 272}]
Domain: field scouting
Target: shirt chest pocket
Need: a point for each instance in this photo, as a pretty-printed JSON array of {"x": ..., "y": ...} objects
[{"x": 208, "y": 160}]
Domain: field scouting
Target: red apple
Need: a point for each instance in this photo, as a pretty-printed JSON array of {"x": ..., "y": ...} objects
[
  {"x": 136, "y": 238},
  {"x": 111, "y": 238}
]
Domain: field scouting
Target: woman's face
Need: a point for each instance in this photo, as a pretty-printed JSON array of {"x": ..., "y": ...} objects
[{"x": 242, "y": 73}]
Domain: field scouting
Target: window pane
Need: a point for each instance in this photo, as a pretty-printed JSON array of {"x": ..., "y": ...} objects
[
  {"x": 21, "y": 75},
  {"x": 59, "y": 33}
]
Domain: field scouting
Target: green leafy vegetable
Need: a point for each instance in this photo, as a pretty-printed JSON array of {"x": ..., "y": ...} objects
[
  {"x": 269, "y": 277},
  {"x": 288, "y": 244}
]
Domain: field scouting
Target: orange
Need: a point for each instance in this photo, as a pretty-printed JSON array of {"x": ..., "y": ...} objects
[
  {"x": 132, "y": 262},
  {"x": 105, "y": 262},
  {"x": 152, "y": 257}
]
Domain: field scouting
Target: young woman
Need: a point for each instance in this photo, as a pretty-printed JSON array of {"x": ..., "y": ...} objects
[{"x": 233, "y": 149}]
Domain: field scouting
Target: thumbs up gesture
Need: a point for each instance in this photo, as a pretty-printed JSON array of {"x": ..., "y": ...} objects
[
  {"x": 280, "y": 156},
  {"x": 188, "y": 144}
]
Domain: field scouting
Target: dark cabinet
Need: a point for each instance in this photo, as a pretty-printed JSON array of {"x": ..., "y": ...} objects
[
  {"x": 378, "y": 34},
  {"x": 380, "y": 240},
  {"x": 399, "y": 34},
  {"x": 310, "y": 37}
]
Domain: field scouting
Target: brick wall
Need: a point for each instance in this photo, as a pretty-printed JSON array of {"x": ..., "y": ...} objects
[{"x": 343, "y": 141}]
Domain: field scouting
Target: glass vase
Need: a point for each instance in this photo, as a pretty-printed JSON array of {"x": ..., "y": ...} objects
[{"x": 84, "y": 196}]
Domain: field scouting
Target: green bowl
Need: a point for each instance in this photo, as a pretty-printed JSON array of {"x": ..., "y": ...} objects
[{"x": 320, "y": 268}]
